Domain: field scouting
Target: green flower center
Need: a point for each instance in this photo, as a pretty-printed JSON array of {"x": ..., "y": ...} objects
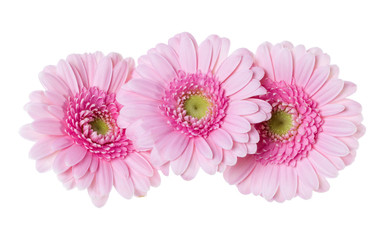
[
  {"x": 100, "y": 126},
  {"x": 280, "y": 123},
  {"x": 196, "y": 106}
]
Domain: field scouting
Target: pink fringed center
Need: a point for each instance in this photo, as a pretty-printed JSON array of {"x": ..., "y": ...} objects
[
  {"x": 86, "y": 107},
  {"x": 306, "y": 125},
  {"x": 185, "y": 86}
]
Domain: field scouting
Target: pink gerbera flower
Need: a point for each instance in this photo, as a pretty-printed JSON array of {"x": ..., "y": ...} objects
[
  {"x": 76, "y": 132},
  {"x": 312, "y": 133},
  {"x": 196, "y": 104}
]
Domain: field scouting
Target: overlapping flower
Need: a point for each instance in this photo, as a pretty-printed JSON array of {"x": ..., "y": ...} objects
[
  {"x": 314, "y": 127},
  {"x": 278, "y": 122}
]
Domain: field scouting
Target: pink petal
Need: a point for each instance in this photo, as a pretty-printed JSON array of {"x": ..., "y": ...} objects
[
  {"x": 169, "y": 54},
  {"x": 85, "y": 181},
  {"x": 206, "y": 164},
  {"x": 304, "y": 69},
  {"x": 66, "y": 73},
  {"x": 258, "y": 117},
  {"x": 82, "y": 167},
  {"x": 331, "y": 109},
  {"x": 238, "y": 172},
  {"x": 240, "y": 149},
  {"x": 221, "y": 138},
  {"x": 288, "y": 181},
  {"x": 352, "y": 108},
  {"x": 327, "y": 144},
  {"x": 339, "y": 127},
  {"x": 55, "y": 98},
  {"x": 120, "y": 167},
  {"x": 240, "y": 137},
  {"x": 103, "y": 75},
  {"x": 120, "y": 74},
  {"x": 98, "y": 200},
  {"x": 155, "y": 180},
  {"x": 319, "y": 77},
  {"x": 237, "y": 81},
  {"x": 172, "y": 145},
  {"x": 104, "y": 178},
  {"x": 250, "y": 90},
  {"x": 145, "y": 87},
  {"x": 283, "y": 66},
  {"x": 322, "y": 164},
  {"x": 59, "y": 143},
  {"x": 270, "y": 181},
  {"x": 329, "y": 91},
  {"x": 229, "y": 158},
  {"x": 192, "y": 168},
  {"x": 242, "y": 107},
  {"x": 323, "y": 184},
  {"x": 179, "y": 165},
  {"x": 304, "y": 190},
  {"x": 257, "y": 178},
  {"x": 59, "y": 165},
  {"x": 94, "y": 164},
  {"x": 263, "y": 59},
  {"x": 37, "y": 110},
  {"x": 45, "y": 164},
  {"x": 222, "y": 54},
  {"x": 251, "y": 148},
  {"x": 217, "y": 152},
  {"x": 140, "y": 182},
  {"x": 203, "y": 147},
  {"x": 163, "y": 67},
  {"x": 42, "y": 149},
  {"x": 307, "y": 174},
  {"x": 337, "y": 162},
  {"x": 123, "y": 185},
  {"x": 205, "y": 56},
  {"x": 56, "y": 111},
  {"x": 236, "y": 123},
  {"x": 139, "y": 163},
  {"x": 187, "y": 54},
  {"x": 245, "y": 186},
  {"x": 348, "y": 89},
  {"x": 29, "y": 133},
  {"x": 74, "y": 154},
  {"x": 156, "y": 159},
  {"x": 54, "y": 83},
  {"x": 79, "y": 69},
  {"x": 48, "y": 126},
  {"x": 228, "y": 66}
]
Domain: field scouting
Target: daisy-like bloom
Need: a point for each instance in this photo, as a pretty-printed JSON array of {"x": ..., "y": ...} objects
[
  {"x": 196, "y": 104},
  {"x": 312, "y": 133},
  {"x": 76, "y": 132}
]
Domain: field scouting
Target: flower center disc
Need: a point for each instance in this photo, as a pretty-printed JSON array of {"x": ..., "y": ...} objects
[
  {"x": 280, "y": 123},
  {"x": 196, "y": 106},
  {"x": 100, "y": 126}
]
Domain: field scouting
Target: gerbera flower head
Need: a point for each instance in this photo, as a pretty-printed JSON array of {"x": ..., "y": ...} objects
[
  {"x": 196, "y": 103},
  {"x": 313, "y": 130},
  {"x": 76, "y": 131}
]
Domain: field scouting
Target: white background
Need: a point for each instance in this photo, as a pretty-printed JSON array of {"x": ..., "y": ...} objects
[{"x": 38, "y": 33}]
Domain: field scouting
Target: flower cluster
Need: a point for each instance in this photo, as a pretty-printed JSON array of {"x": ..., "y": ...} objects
[{"x": 277, "y": 122}]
